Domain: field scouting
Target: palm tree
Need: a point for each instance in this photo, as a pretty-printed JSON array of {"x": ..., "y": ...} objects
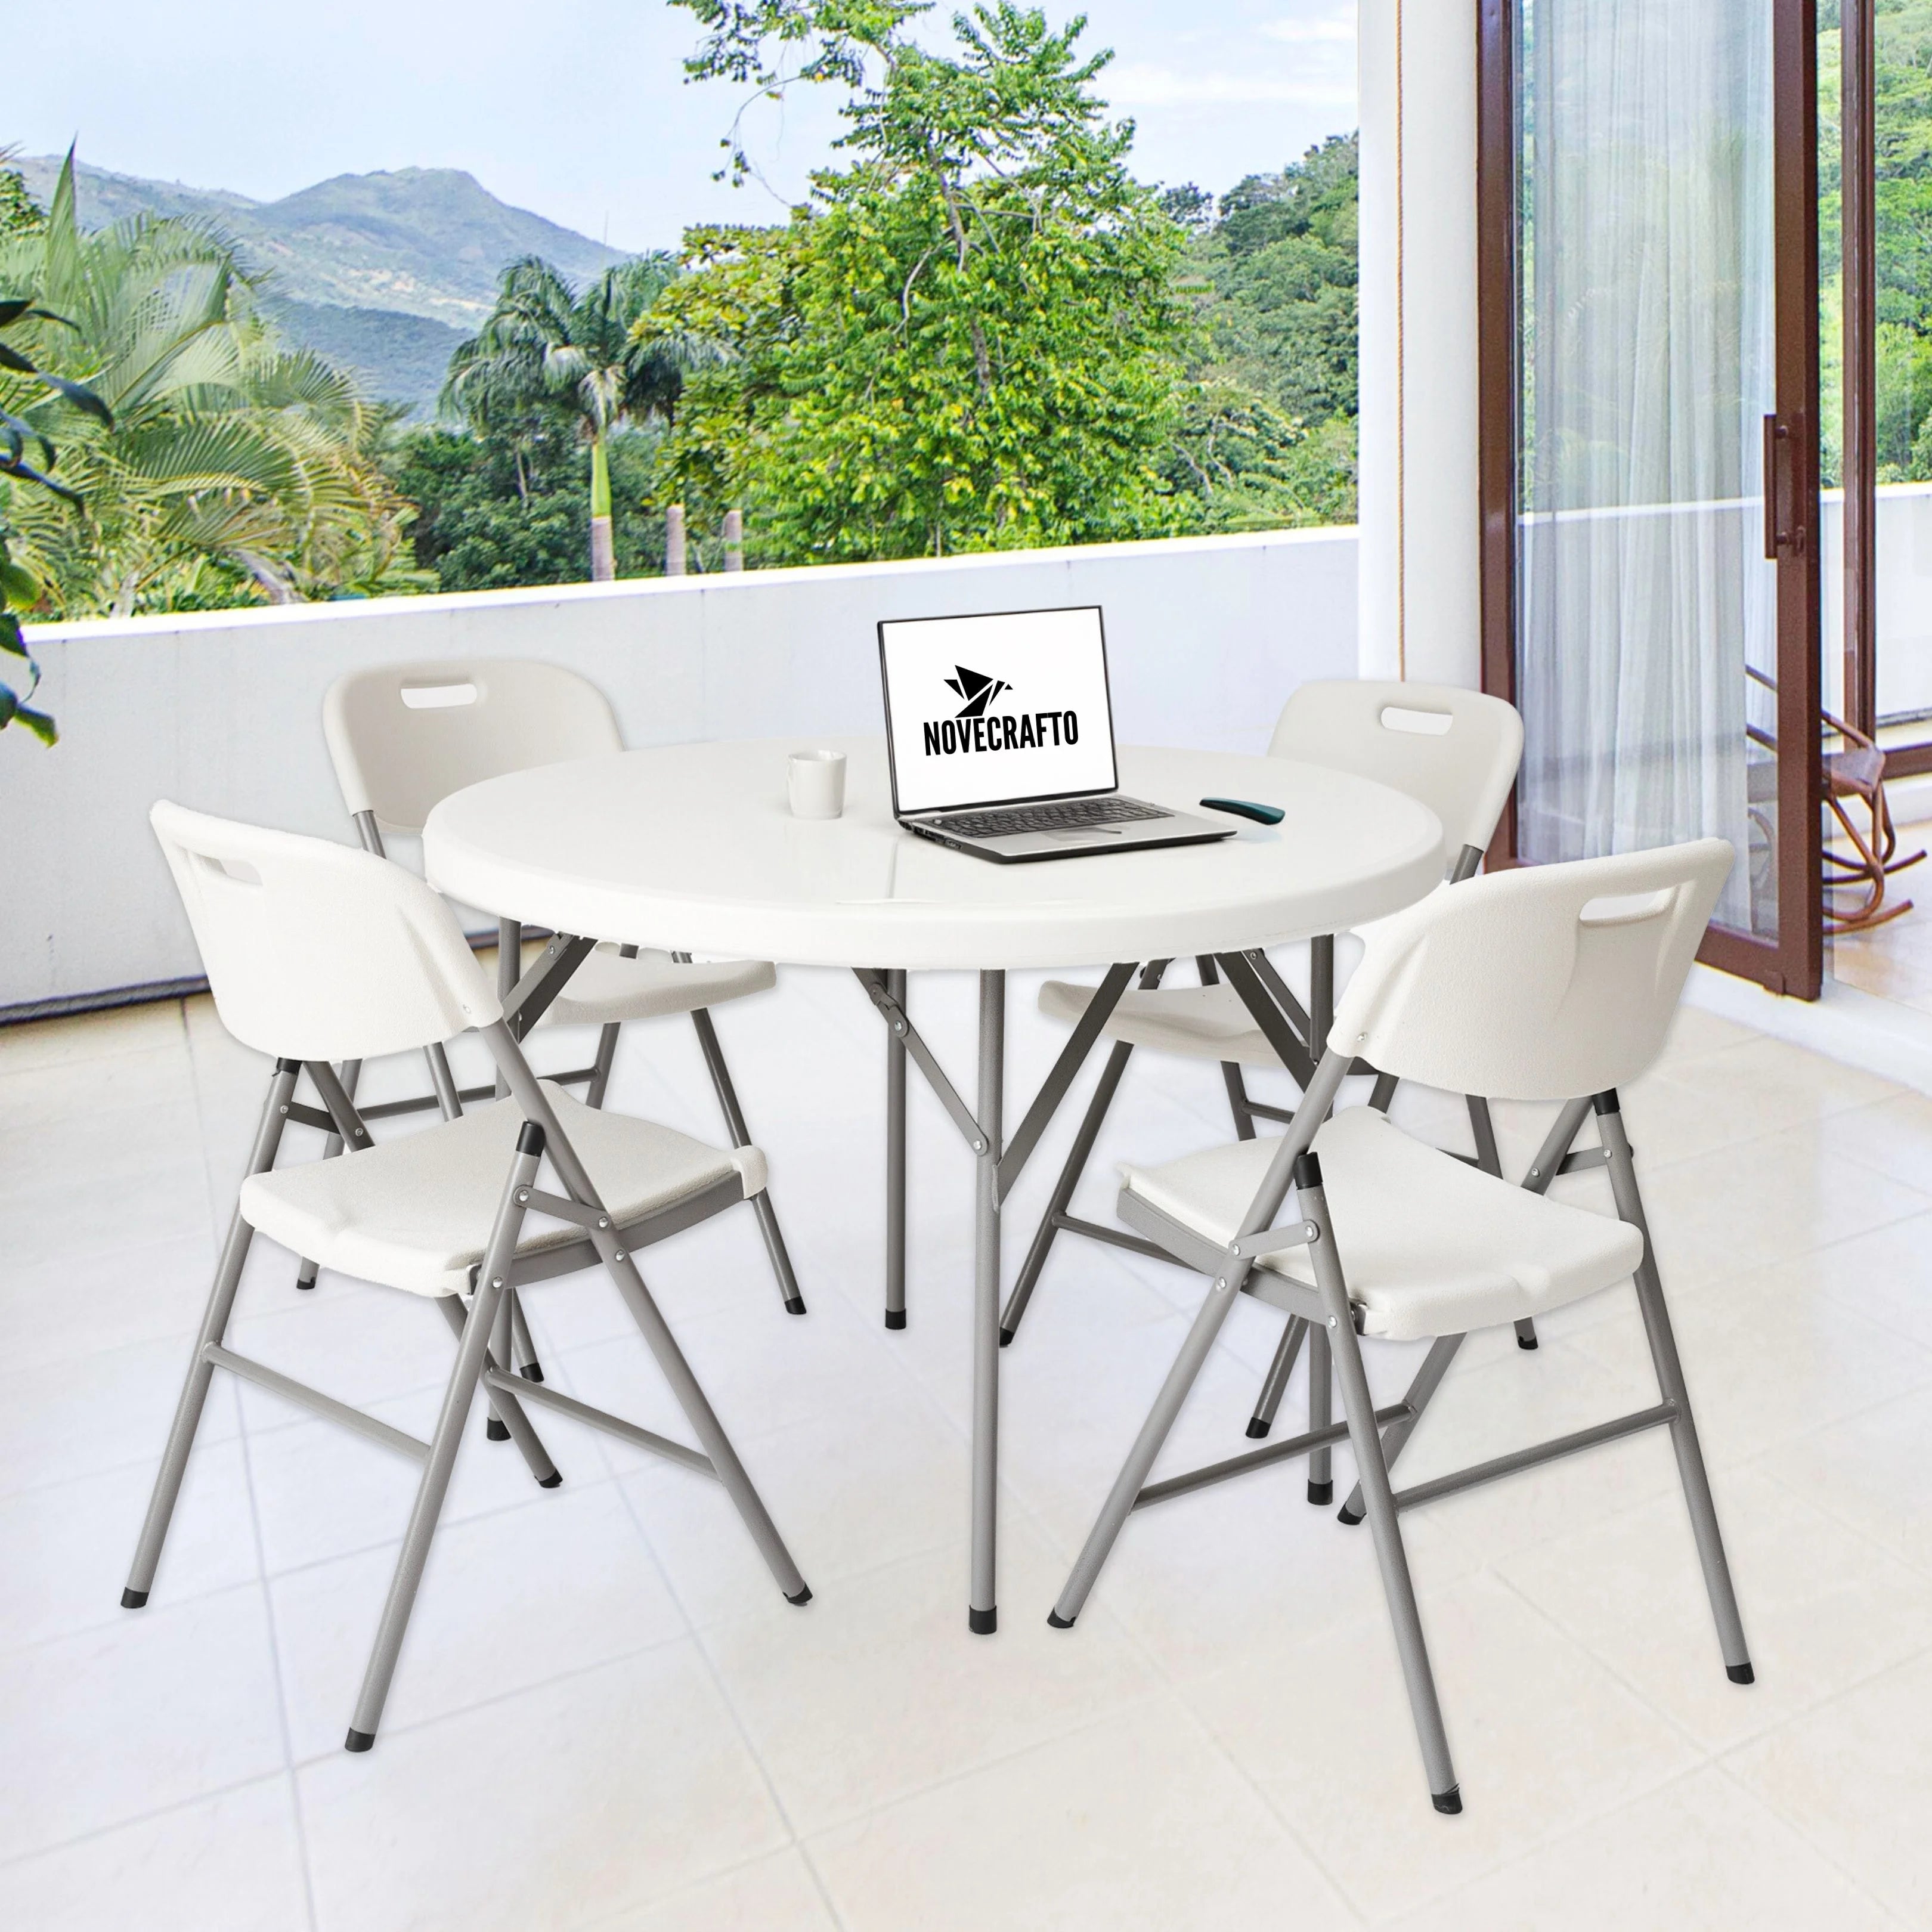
[
  {"x": 226, "y": 454},
  {"x": 548, "y": 348}
]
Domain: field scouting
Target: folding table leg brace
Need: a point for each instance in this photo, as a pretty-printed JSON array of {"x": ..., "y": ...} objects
[{"x": 996, "y": 1164}]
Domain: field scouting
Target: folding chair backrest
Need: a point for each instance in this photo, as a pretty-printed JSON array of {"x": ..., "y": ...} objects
[
  {"x": 402, "y": 737},
  {"x": 1547, "y": 983},
  {"x": 315, "y": 951},
  {"x": 1455, "y": 750}
]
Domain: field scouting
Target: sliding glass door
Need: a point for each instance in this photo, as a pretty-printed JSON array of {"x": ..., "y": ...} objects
[{"x": 1650, "y": 368}]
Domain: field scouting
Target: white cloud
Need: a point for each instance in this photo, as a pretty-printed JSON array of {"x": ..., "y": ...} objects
[
  {"x": 1338, "y": 27},
  {"x": 1137, "y": 84}
]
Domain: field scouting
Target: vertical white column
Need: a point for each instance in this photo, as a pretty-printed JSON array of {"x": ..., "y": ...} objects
[{"x": 1421, "y": 599}]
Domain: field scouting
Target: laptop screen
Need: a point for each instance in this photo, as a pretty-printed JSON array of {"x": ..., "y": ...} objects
[{"x": 996, "y": 710}]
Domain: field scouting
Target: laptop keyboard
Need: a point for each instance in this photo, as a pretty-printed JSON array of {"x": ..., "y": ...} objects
[{"x": 1075, "y": 815}]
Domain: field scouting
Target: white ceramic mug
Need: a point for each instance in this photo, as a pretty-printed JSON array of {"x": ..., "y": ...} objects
[{"x": 817, "y": 782}]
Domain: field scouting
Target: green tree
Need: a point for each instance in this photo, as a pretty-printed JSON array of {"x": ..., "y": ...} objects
[
  {"x": 549, "y": 352},
  {"x": 233, "y": 469},
  {"x": 971, "y": 338}
]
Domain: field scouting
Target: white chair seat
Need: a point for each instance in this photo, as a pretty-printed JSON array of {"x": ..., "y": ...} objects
[
  {"x": 608, "y": 987},
  {"x": 1430, "y": 1245},
  {"x": 1203, "y": 1022},
  {"x": 1199, "y": 1022},
  {"x": 414, "y": 1213}
]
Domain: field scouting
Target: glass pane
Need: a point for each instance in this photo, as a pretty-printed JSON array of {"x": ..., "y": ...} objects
[{"x": 1646, "y": 642}]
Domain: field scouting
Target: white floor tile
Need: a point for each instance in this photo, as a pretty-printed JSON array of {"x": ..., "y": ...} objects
[
  {"x": 1543, "y": 1738},
  {"x": 776, "y": 1895},
  {"x": 1822, "y": 1606},
  {"x": 170, "y": 1703},
  {"x": 1869, "y": 1473},
  {"x": 68, "y": 1546},
  {"x": 1136, "y": 1824},
  {"x": 228, "y": 1864},
  {"x": 875, "y": 1689},
  {"x": 544, "y": 1811},
  {"x": 1856, "y": 1775},
  {"x": 508, "y": 1600},
  {"x": 72, "y": 1305},
  {"x": 1700, "y": 1855}
]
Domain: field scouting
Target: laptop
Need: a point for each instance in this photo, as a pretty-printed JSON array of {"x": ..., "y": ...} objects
[{"x": 1000, "y": 735}]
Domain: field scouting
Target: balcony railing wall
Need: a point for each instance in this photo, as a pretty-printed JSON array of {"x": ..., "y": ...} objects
[{"x": 222, "y": 711}]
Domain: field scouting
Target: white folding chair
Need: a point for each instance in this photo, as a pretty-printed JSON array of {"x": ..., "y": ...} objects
[
  {"x": 402, "y": 737},
  {"x": 1546, "y": 983},
  {"x": 1455, "y": 750},
  {"x": 317, "y": 954}
]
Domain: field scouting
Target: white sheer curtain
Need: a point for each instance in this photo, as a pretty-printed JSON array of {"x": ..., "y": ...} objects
[{"x": 1648, "y": 368}]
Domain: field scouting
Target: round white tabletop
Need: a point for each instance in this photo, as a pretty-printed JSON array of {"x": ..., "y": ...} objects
[{"x": 693, "y": 848}]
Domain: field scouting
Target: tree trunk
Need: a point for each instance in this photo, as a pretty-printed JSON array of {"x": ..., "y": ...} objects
[{"x": 603, "y": 545}]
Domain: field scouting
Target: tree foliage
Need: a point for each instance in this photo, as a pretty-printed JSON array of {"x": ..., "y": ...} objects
[
  {"x": 230, "y": 468},
  {"x": 972, "y": 336},
  {"x": 551, "y": 355}
]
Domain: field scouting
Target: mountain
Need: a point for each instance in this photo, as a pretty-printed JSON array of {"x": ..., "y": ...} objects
[
  {"x": 426, "y": 241},
  {"x": 384, "y": 273}
]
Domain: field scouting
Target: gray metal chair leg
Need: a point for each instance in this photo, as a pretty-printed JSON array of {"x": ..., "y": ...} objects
[
  {"x": 600, "y": 1066},
  {"x": 1421, "y": 1391},
  {"x": 1275, "y": 1383},
  {"x": 1213, "y": 1311},
  {"x": 1320, "y": 1413},
  {"x": 1359, "y": 1407},
  {"x": 513, "y": 1424},
  {"x": 1490, "y": 1160},
  {"x": 495, "y": 1430},
  {"x": 457, "y": 1398},
  {"x": 761, "y": 1203},
  {"x": 1670, "y": 1381},
  {"x": 524, "y": 1347},
  {"x": 530, "y": 1096},
  {"x": 895, "y": 1161},
  {"x": 214, "y": 1326},
  {"x": 1074, "y": 1167},
  {"x": 307, "y": 1270}
]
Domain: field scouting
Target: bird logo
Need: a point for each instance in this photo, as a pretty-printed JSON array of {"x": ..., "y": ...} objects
[{"x": 977, "y": 689}]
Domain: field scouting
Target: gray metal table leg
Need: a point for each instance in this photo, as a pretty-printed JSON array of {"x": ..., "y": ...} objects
[
  {"x": 895, "y": 1163},
  {"x": 983, "y": 1616}
]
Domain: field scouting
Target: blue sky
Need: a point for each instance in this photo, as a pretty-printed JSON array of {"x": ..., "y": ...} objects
[{"x": 578, "y": 109}]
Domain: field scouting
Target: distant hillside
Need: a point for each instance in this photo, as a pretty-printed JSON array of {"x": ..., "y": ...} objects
[
  {"x": 426, "y": 241},
  {"x": 401, "y": 359},
  {"x": 384, "y": 273}
]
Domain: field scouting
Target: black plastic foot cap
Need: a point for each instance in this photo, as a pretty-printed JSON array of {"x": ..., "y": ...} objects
[
  {"x": 552, "y": 1481},
  {"x": 496, "y": 1431},
  {"x": 1349, "y": 1514},
  {"x": 531, "y": 1371},
  {"x": 133, "y": 1599},
  {"x": 982, "y": 1623},
  {"x": 895, "y": 1317},
  {"x": 1057, "y": 1621},
  {"x": 1449, "y": 1802},
  {"x": 1319, "y": 1493},
  {"x": 795, "y": 1306},
  {"x": 305, "y": 1284},
  {"x": 1525, "y": 1341},
  {"x": 359, "y": 1741},
  {"x": 803, "y": 1597},
  {"x": 1006, "y": 1338},
  {"x": 1740, "y": 1673},
  {"x": 1257, "y": 1427}
]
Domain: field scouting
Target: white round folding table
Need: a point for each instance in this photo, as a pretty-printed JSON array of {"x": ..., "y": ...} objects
[{"x": 693, "y": 848}]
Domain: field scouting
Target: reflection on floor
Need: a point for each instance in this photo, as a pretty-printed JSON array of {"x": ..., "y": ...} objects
[
  {"x": 1893, "y": 961},
  {"x": 605, "y": 1716}
]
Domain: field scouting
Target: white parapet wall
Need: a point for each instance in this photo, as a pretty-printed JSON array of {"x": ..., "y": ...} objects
[{"x": 222, "y": 710}]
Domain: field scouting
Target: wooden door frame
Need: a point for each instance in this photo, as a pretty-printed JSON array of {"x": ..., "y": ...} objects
[{"x": 1794, "y": 963}]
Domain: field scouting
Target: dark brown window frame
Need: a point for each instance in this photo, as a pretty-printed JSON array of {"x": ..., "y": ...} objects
[{"x": 1794, "y": 964}]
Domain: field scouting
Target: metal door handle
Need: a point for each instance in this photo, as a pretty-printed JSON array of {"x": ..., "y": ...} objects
[{"x": 1775, "y": 539}]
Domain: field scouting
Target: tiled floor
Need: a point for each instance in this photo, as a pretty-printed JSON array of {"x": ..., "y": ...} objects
[
  {"x": 606, "y": 1718},
  {"x": 1894, "y": 960}
]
